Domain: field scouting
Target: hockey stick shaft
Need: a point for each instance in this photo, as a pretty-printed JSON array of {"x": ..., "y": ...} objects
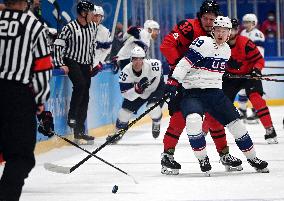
[
  {"x": 254, "y": 78},
  {"x": 88, "y": 152},
  {"x": 121, "y": 132},
  {"x": 272, "y": 75}
]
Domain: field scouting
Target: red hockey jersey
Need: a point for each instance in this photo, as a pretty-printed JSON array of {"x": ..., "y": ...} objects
[
  {"x": 176, "y": 43},
  {"x": 245, "y": 56}
]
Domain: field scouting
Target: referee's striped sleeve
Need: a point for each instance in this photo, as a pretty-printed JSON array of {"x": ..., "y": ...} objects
[
  {"x": 42, "y": 69},
  {"x": 59, "y": 45}
]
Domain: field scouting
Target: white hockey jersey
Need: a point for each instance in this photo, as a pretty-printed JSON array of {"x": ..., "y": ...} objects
[
  {"x": 152, "y": 69},
  {"x": 129, "y": 44},
  {"x": 257, "y": 37},
  {"x": 102, "y": 36},
  {"x": 203, "y": 64}
]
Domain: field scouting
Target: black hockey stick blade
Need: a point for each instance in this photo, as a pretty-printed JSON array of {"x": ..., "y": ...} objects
[{"x": 57, "y": 168}]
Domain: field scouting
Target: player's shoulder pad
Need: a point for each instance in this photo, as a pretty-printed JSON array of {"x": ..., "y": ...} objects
[
  {"x": 154, "y": 64},
  {"x": 185, "y": 27},
  {"x": 258, "y": 35},
  {"x": 250, "y": 46},
  {"x": 202, "y": 45}
]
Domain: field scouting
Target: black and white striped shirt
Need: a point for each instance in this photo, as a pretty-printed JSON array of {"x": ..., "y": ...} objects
[
  {"x": 75, "y": 42},
  {"x": 24, "y": 52}
]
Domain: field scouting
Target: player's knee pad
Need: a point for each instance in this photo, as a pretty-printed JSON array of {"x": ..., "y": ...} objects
[
  {"x": 124, "y": 115},
  {"x": 193, "y": 124},
  {"x": 156, "y": 113},
  {"x": 237, "y": 128}
]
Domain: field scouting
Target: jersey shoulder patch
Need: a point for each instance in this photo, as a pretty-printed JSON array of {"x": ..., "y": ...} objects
[{"x": 186, "y": 29}]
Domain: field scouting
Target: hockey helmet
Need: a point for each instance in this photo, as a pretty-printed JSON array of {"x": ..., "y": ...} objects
[
  {"x": 138, "y": 52},
  {"x": 99, "y": 11},
  {"x": 250, "y": 17},
  {"x": 222, "y": 21},
  {"x": 151, "y": 24},
  {"x": 209, "y": 6},
  {"x": 85, "y": 6},
  {"x": 235, "y": 23}
]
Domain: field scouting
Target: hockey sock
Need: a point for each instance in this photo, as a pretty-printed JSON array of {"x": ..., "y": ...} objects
[
  {"x": 195, "y": 135},
  {"x": 217, "y": 132},
  {"x": 176, "y": 126},
  {"x": 262, "y": 110},
  {"x": 243, "y": 99},
  {"x": 242, "y": 138}
]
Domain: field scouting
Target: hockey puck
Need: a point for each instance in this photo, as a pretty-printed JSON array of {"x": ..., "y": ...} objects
[{"x": 114, "y": 189}]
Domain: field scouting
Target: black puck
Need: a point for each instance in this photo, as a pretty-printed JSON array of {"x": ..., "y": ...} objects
[{"x": 114, "y": 189}]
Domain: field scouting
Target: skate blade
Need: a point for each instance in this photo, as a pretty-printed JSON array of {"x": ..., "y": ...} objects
[
  {"x": 233, "y": 169},
  {"x": 207, "y": 173},
  {"x": 255, "y": 121},
  {"x": 264, "y": 170},
  {"x": 272, "y": 141},
  {"x": 83, "y": 142},
  {"x": 168, "y": 171}
]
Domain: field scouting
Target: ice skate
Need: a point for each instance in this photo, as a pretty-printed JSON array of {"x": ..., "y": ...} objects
[
  {"x": 271, "y": 136},
  {"x": 253, "y": 118},
  {"x": 205, "y": 166},
  {"x": 169, "y": 165},
  {"x": 155, "y": 129},
  {"x": 230, "y": 162},
  {"x": 243, "y": 113},
  {"x": 115, "y": 140},
  {"x": 83, "y": 139},
  {"x": 259, "y": 165}
]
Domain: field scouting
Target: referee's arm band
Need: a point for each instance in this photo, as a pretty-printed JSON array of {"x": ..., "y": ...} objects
[{"x": 42, "y": 64}]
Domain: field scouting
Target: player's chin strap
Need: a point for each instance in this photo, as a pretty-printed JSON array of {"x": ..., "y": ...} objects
[{"x": 263, "y": 77}]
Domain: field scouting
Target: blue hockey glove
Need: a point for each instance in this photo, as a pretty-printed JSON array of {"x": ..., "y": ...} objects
[
  {"x": 171, "y": 88},
  {"x": 46, "y": 125},
  {"x": 95, "y": 70},
  {"x": 134, "y": 31},
  {"x": 141, "y": 85}
]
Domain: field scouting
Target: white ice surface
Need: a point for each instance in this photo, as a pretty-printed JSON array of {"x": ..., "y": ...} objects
[{"x": 139, "y": 155}]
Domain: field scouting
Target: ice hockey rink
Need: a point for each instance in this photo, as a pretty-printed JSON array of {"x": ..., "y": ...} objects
[{"x": 139, "y": 155}]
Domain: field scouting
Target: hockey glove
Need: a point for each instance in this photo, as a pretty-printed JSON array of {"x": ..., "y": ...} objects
[
  {"x": 141, "y": 85},
  {"x": 115, "y": 67},
  {"x": 134, "y": 31},
  {"x": 103, "y": 45},
  {"x": 95, "y": 70},
  {"x": 171, "y": 88},
  {"x": 255, "y": 72},
  {"x": 46, "y": 126}
]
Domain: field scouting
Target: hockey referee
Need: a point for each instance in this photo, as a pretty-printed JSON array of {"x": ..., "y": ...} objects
[
  {"x": 74, "y": 52},
  {"x": 25, "y": 70}
]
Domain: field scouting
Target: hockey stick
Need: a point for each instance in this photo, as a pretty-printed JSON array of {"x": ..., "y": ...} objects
[
  {"x": 254, "y": 78},
  {"x": 120, "y": 132},
  {"x": 67, "y": 170},
  {"x": 272, "y": 75}
]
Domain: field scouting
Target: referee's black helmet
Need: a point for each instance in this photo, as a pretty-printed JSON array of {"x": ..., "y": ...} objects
[{"x": 85, "y": 6}]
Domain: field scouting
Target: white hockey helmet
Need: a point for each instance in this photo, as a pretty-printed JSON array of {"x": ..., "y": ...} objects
[
  {"x": 222, "y": 21},
  {"x": 138, "y": 52},
  {"x": 151, "y": 24},
  {"x": 250, "y": 17},
  {"x": 99, "y": 11}
]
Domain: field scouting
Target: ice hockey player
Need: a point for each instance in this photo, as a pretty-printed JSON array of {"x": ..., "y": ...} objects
[
  {"x": 256, "y": 36},
  {"x": 141, "y": 81},
  {"x": 246, "y": 59},
  {"x": 173, "y": 47},
  {"x": 137, "y": 36},
  {"x": 103, "y": 40},
  {"x": 200, "y": 73}
]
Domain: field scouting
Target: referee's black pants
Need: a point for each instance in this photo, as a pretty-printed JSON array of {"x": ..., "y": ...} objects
[
  {"x": 79, "y": 75},
  {"x": 17, "y": 137}
]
